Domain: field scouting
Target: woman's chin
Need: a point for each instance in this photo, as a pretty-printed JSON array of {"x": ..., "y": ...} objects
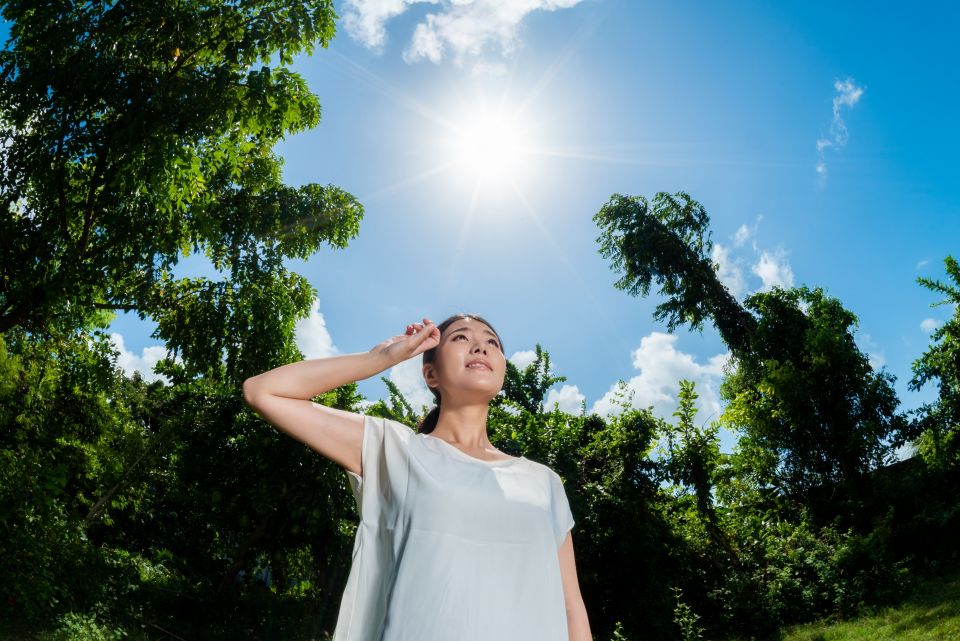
[{"x": 479, "y": 393}]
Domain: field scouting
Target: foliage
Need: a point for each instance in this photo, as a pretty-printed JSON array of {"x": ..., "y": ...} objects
[
  {"x": 693, "y": 455},
  {"x": 133, "y": 134},
  {"x": 686, "y": 619},
  {"x": 84, "y": 627},
  {"x": 931, "y": 612},
  {"x": 669, "y": 243},
  {"x": 794, "y": 571},
  {"x": 810, "y": 407},
  {"x": 60, "y": 435},
  {"x": 938, "y": 425},
  {"x": 526, "y": 389}
]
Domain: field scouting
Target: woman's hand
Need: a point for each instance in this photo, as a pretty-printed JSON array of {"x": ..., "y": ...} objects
[{"x": 418, "y": 338}]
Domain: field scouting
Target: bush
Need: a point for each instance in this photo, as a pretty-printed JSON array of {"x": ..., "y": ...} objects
[
  {"x": 794, "y": 572},
  {"x": 84, "y": 627}
]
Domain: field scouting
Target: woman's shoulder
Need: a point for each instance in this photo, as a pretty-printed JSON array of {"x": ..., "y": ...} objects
[
  {"x": 390, "y": 427},
  {"x": 538, "y": 469}
]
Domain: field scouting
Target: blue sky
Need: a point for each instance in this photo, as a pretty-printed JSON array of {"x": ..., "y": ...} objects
[{"x": 818, "y": 136}]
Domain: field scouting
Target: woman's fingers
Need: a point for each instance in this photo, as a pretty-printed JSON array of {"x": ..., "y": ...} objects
[
  {"x": 421, "y": 333},
  {"x": 425, "y": 331},
  {"x": 413, "y": 328}
]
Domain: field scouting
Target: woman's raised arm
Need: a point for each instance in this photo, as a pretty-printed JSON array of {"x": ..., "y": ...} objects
[{"x": 282, "y": 395}]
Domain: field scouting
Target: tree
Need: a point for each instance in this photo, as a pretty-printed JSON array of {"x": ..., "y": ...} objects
[
  {"x": 938, "y": 427},
  {"x": 526, "y": 389},
  {"x": 670, "y": 243},
  {"x": 131, "y": 135},
  {"x": 811, "y": 408},
  {"x": 693, "y": 456},
  {"x": 134, "y": 133}
]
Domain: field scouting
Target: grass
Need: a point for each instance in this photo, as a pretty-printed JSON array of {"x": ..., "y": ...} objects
[{"x": 930, "y": 613}]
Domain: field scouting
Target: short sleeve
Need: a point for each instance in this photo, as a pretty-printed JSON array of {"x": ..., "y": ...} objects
[
  {"x": 560, "y": 508},
  {"x": 384, "y": 459}
]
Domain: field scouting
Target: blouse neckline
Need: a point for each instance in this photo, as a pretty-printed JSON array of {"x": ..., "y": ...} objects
[{"x": 458, "y": 452}]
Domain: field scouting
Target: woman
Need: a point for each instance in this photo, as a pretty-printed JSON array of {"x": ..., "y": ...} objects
[{"x": 457, "y": 540}]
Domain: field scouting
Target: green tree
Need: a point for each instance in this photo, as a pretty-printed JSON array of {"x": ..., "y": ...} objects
[
  {"x": 134, "y": 133},
  {"x": 938, "y": 427},
  {"x": 526, "y": 389},
  {"x": 68, "y": 424},
  {"x": 811, "y": 408},
  {"x": 669, "y": 242},
  {"x": 693, "y": 456}
]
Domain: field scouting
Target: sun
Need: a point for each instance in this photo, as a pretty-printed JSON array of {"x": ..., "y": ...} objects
[{"x": 488, "y": 146}]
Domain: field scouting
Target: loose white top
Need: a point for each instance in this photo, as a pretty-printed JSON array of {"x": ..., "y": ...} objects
[{"x": 451, "y": 547}]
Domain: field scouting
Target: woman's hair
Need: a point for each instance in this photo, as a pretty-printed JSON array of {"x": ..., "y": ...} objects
[{"x": 429, "y": 421}]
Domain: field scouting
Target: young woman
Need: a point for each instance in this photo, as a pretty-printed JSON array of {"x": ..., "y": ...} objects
[{"x": 457, "y": 540}]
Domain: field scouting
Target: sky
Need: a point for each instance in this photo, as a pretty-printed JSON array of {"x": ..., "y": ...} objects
[{"x": 481, "y": 138}]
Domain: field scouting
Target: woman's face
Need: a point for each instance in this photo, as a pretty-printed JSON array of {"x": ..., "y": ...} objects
[{"x": 468, "y": 359}]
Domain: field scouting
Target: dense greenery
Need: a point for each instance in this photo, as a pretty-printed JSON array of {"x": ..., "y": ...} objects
[
  {"x": 169, "y": 510},
  {"x": 930, "y": 613}
]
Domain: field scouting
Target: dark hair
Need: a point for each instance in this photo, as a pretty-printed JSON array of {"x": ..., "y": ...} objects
[{"x": 429, "y": 422}]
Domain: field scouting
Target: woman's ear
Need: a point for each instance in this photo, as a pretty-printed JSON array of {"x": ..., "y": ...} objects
[{"x": 428, "y": 375}]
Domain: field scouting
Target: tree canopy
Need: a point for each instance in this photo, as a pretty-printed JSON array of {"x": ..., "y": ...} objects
[
  {"x": 938, "y": 425},
  {"x": 132, "y": 134},
  {"x": 668, "y": 242},
  {"x": 802, "y": 392}
]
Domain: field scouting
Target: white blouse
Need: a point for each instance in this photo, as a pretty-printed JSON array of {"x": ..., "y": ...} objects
[{"x": 450, "y": 547}]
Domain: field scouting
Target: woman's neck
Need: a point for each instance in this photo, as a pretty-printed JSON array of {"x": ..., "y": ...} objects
[{"x": 465, "y": 425}]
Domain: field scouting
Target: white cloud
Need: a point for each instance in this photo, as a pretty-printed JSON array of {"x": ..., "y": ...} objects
[
  {"x": 729, "y": 270},
  {"x": 364, "y": 19},
  {"x": 773, "y": 269},
  {"x": 929, "y": 324},
  {"x": 458, "y": 27},
  {"x": 408, "y": 377},
  {"x": 312, "y": 336},
  {"x": 730, "y": 263},
  {"x": 661, "y": 368},
  {"x": 568, "y": 397},
  {"x": 923, "y": 263},
  {"x": 144, "y": 363},
  {"x": 848, "y": 93},
  {"x": 745, "y": 232},
  {"x": 741, "y": 235},
  {"x": 874, "y": 354},
  {"x": 523, "y": 359}
]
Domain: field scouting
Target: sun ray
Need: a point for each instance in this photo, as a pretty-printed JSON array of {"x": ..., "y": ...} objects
[
  {"x": 462, "y": 239},
  {"x": 586, "y": 29},
  {"x": 580, "y": 155},
  {"x": 383, "y": 87},
  {"x": 406, "y": 182},
  {"x": 598, "y": 311}
]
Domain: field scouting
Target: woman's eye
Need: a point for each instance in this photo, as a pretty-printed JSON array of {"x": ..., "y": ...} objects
[{"x": 489, "y": 340}]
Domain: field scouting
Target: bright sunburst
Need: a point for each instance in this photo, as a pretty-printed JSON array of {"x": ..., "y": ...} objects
[{"x": 489, "y": 146}]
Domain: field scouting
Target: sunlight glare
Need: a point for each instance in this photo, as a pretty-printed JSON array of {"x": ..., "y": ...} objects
[{"x": 487, "y": 147}]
